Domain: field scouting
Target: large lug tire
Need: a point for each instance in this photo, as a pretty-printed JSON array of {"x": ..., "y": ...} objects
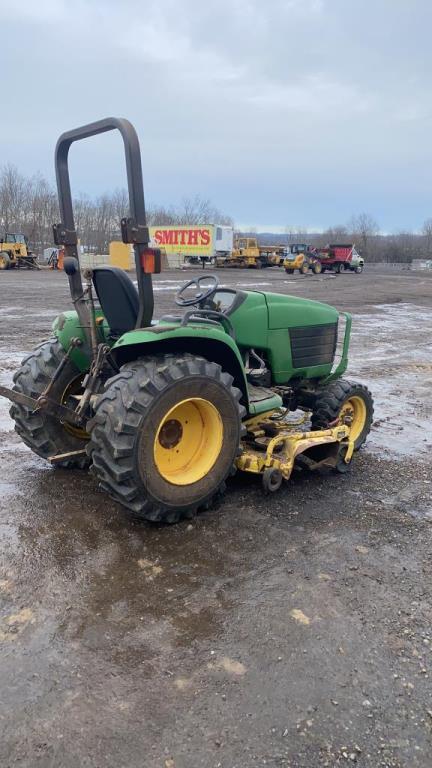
[
  {"x": 317, "y": 268},
  {"x": 289, "y": 271},
  {"x": 347, "y": 402},
  {"x": 46, "y": 435},
  {"x": 304, "y": 269},
  {"x": 165, "y": 435},
  {"x": 4, "y": 260}
]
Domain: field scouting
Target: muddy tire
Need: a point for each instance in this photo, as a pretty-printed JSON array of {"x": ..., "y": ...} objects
[
  {"x": 165, "y": 435},
  {"x": 304, "y": 269},
  {"x": 289, "y": 271},
  {"x": 43, "y": 433},
  {"x": 4, "y": 260},
  {"x": 345, "y": 401},
  {"x": 317, "y": 268}
]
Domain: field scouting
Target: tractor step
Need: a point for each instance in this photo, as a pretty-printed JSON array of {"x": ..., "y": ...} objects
[{"x": 262, "y": 399}]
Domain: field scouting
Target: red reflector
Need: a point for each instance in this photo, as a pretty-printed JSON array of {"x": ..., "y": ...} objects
[{"x": 151, "y": 260}]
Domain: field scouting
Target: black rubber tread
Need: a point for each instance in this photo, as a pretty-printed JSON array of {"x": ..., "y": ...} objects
[
  {"x": 117, "y": 423},
  {"x": 330, "y": 399},
  {"x": 45, "y": 434}
]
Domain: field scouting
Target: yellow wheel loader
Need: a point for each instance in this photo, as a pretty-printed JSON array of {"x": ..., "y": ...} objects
[{"x": 15, "y": 252}]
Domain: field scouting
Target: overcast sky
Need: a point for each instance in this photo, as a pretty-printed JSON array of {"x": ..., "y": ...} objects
[{"x": 282, "y": 112}]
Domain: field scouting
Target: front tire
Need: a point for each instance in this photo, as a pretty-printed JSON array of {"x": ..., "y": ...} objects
[
  {"x": 45, "y": 434},
  {"x": 165, "y": 435},
  {"x": 345, "y": 402},
  {"x": 4, "y": 260}
]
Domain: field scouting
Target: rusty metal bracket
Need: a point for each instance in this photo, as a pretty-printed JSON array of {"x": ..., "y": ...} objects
[
  {"x": 134, "y": 233},
  {"x": 63, "y": 236},
  {"x": 42, "y": 403}
]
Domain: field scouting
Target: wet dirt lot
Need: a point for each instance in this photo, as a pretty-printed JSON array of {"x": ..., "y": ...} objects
[{"x": 291, "y": 630}]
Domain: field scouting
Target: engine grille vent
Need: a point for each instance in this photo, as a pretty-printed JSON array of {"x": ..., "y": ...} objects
[{"x": 313, "y": 345}]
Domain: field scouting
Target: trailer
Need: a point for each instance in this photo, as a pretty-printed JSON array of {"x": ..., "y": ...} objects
[
  {"x": 193, "y": 243},
  {"x": 337, "y": 257}
]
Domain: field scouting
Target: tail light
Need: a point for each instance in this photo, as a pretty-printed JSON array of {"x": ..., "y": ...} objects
[{"x": 150, "y": 260}]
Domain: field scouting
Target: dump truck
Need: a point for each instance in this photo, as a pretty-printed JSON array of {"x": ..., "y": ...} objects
[
  {"x": 15, "y": 252},
  {"x": 337, "y": 257}
]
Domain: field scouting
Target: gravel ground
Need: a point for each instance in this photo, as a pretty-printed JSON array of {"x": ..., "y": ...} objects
[{"x": 291, "y": 630}]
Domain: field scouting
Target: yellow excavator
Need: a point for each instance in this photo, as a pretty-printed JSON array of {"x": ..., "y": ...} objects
[{"x": 15, "y": 252}]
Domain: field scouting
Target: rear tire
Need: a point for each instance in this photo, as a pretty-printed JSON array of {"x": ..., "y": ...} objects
[
  {"x": 344, "y": 400},
  {"x": 289, "y": 271},
  {"x": 43, "y": 433},
  {"x": 317, "y": 268},
  {"x": 4, "y": 260},
  {"x": 165, "y": 435}
]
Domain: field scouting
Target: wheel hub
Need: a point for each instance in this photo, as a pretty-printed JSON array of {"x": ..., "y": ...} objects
[
  {"x": 188, "y": 441},
  {"x": 170, "y": 433}
]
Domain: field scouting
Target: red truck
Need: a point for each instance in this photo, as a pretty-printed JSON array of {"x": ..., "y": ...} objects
[{"x": 340, "y": 256}]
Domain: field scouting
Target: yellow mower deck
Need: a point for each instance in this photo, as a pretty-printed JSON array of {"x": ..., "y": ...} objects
[{"x": 274, "y": 444}]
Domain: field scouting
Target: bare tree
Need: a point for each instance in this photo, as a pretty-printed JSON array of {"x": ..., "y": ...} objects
[
  {"x": 427, "y": 234},
  {"x": 13, "y": 197},
  {"x": 363, "y": 227}
]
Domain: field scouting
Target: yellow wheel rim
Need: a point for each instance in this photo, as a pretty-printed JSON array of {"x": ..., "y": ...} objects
[
  {"x": 73, "y": 389},
  {"x": 354, "y": 414},
  {"x": 188, "y": 441}
]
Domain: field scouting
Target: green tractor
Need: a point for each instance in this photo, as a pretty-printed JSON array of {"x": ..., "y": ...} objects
[{"x": 165, "y": 411}]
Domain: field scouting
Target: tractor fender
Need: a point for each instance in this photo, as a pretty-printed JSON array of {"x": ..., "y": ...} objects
[
  {"x": 67, "y": 326},
  {"x": 213, "y": 343}
]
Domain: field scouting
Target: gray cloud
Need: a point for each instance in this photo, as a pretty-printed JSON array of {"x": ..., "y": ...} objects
[{"x": 285, "y": 111}]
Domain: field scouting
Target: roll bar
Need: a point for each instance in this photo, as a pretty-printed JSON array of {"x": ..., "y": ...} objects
[{"x": 134, "y": 229}]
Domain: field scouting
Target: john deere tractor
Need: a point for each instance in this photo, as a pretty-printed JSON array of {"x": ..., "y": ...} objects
[{"x": 165, "y": 411}]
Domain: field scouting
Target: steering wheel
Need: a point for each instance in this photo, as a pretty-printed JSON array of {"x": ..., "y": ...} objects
[{"x": 201, "y": 295}]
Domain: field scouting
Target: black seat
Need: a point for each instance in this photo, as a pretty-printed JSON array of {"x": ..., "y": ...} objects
[{"x": 118, "y": 298}]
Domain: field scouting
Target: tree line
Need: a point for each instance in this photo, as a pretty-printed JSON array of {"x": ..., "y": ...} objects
[
  {"x": 29, "y": 205},
  {"x": 375, "y": 246}
]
